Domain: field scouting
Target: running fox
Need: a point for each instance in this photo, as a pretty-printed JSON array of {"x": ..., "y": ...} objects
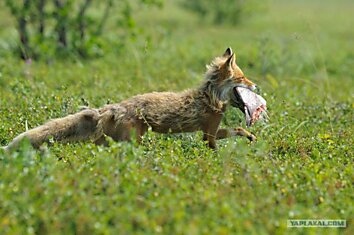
[{"x": 165, "y": 112}]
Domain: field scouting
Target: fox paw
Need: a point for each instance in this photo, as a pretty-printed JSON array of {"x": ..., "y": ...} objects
[{"x": 252, "y": 138}]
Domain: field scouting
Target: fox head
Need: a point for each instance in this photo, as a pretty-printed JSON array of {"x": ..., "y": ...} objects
[{"x": 224, "y": 74}]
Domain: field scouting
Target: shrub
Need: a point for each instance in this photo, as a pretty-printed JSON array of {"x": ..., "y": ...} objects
[
  {"x": 223, "y": 12},
  {"x": 60, "y": 27}
]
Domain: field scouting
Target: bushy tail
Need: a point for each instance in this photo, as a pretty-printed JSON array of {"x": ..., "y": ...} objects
[{"x": 84, "y": 125}]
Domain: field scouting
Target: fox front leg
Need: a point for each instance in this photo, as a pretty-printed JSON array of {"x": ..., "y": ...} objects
[{"x": 239, "y": 131}]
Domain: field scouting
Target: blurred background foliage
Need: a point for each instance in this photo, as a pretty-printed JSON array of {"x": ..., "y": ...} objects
[
  {"x": 226, "y": 11},
  {"x": 69, "y": 27},
  {"x": 76, "y": 28}
]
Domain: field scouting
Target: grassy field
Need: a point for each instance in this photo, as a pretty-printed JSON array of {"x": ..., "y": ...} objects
[{"x": 300, "y": 53}]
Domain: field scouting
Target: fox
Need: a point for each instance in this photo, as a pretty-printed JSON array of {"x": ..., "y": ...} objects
[{"x": 198, "y": 109}]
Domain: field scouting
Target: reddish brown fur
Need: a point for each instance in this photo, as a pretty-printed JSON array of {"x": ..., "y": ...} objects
[
  {"x": 187, "y": 111},
  {"x": 83, "y": 125}
]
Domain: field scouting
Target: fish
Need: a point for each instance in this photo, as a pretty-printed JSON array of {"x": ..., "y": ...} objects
[{"x": 251, "y": 104}]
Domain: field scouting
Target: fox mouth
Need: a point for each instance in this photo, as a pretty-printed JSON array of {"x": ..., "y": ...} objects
[{"x": 252, "y": 105}]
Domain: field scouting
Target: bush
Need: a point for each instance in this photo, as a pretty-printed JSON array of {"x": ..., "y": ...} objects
[
  {"x": 63, "y": 27},
  {"x": 223, "y": 12}
]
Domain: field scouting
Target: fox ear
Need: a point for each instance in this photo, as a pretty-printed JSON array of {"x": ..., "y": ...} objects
[
  {"x": 228, "y": 52},
  {"x": 231, "y": 60}
]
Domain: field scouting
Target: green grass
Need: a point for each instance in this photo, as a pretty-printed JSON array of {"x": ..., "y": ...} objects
[{"x": 301, "y": 55}]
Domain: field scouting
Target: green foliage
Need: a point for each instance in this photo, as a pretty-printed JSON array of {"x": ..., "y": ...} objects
[
  {"x": 301, "y": 167},
  {"x": 69, "y": 27},
  {"x": 226, "y": 11}
]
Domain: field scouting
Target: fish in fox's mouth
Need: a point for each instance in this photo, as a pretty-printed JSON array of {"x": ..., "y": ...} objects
[{"x": 252, "y": 105}]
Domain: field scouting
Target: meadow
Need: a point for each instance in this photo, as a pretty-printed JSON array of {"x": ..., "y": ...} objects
[{"x": 301, "y": 55}]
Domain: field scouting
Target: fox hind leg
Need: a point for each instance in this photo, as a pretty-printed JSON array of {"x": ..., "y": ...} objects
[
  {"x": 119, "y": 126},
  {"x": 141, "y": 129}
]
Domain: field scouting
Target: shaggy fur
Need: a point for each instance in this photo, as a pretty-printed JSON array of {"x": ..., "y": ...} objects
[
  {"x": 83, "y": 125},
  {"x": 188, "y": 111}
]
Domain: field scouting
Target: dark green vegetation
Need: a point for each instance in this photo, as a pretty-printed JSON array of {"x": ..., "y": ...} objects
[
  {"x": 300, "y": 54},
  {"x": 68, "y": 27}
]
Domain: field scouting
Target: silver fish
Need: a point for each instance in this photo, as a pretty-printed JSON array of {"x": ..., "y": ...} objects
[{"x": 252, "y": 105}]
